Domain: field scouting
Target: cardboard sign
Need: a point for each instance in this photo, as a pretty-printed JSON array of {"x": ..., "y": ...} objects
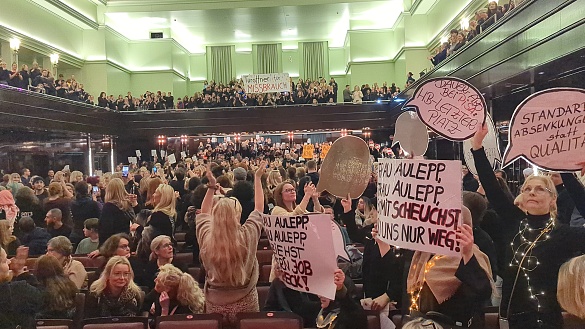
[
  {"x": 172, "y": 158},
  {"x": 490, "y": 145},
  {"x": 547, "y": 130},
  {"x": 132, "y": 160},
  {"x": 138, "y": 153},
  {"x": 303, "y": 249},
  {"x": 153, "y": 153},
  {"x": 419, "y": 204},
  {"x": 411, "y": 133},
  {"x": 308, "y": 151},
  {"x": 324, "y": 150},
  {"x": 451, "y": 107},
  {"x": 346, "y": 169},
  {"x": 338, "y": 243},
  {"x": 266, "y": 83}
]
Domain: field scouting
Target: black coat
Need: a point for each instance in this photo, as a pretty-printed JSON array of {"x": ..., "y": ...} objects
[
  {"x": 36, "y": 240},
  {"x": 351, "y": 315},
  {"x": 82, "y": 209},
  {"x": 114, "y": 220},
  {"x": 19, "y": 303}
]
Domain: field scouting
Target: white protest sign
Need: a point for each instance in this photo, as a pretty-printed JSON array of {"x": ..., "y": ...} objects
[
  {"x": 490, "y": 145},
  {"x": 451, "y": 107},
  {"x": 303, "y": 249},
  {"x": 546, "y": 130},
  {"x": 172, "y": 159},
  {"x": 153, "y": 153},
  {"x": 338, "y": 243},
  {"x": 132, "y": 160},
  {"x": 163, "y": 153},
  {"x": 138, "y": 153},
  {"x": 266, "y": 83},
  {"x": 419, "y": 204},
  {"x": 183, "y": 155},
  {"x": 411, "y": 133}
]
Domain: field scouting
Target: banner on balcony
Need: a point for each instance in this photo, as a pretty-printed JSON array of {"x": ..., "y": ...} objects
[{"x": 266, "y": 83}]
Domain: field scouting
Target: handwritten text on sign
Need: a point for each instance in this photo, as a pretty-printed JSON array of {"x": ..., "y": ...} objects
[
  {"x": 303, "y": 248},
  {"x": 266, "y": 83},
  {"x": 451, "y": 107},
  {"x": 548, "y": 129},
  {"x": 419, "y": 204}
]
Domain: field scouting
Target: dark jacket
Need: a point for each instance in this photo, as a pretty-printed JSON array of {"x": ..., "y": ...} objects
[
  {"x": 563, "y": 243},
  {"x": 114, "y": 220},
  {"x": 380, "y": 274},
  {"x": 351, "y": 315},
  {"x": 64, "y": 204},
  {"x": 283, "y": 299},
  {"x": 153, "y": 298},
  {"x": 469, "y": 183},
  {"x": 151, "y": 271},
  {"x": 19, "y": 303},
  {"x": 36, "y": 240},
  {"x": 312, "y": 177},
  {"x": 82, "y": 209}
]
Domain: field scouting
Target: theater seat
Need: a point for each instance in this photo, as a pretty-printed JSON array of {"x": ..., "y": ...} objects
[
  {"x": 263, "y": 244},
  {"x": 55, "y": 324},
  {"x": 185, "y": 258},
  {"x": 264, "y": 273},
  {"x": 130, "y": 322},
  {"x": 262, "y": 295},
  {"x": 195, "y": 272},
  {"x": 269, "y": 320},
  {"x": 180, "y": 236},
  {"x": 491, "y": 321},
  {"x": 359, "y": 290},
  {"x": 187, "y": 321},
  {"x": 264, "y": 256},
  {"x": 373, "y": 319},
  {"x": 79, "y": 309}
]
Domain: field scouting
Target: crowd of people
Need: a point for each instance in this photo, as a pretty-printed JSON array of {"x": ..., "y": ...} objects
[
  {"x": 483, "y": 19},
  {"x": 513, "y": 248}
]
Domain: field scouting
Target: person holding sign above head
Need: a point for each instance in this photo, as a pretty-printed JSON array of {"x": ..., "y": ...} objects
[
  {"x": 228, "y": 250},
  {"x": 382, "y": 274},
  {"x": 538, "y": 246}
]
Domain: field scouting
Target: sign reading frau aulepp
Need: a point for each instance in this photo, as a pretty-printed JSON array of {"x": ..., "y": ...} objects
[
  {"x": 266, "y": 83},
  {"x": 411, "y": 133},
  {"x": 419, "y": 204},
  {"x": 548, "y": 130},
  {"x": 304, "y": 251},
  {"x": 451, "y": 107},
  {"x": 346, "y": 168},
  {"x": 490, "y": 145}
]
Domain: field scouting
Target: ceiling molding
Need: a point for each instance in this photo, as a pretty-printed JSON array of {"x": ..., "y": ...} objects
[{"x": 74, "y": 13}]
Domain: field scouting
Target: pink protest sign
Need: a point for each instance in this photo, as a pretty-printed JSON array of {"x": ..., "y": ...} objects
[
  {"x": 547, "y": 129},
  {"x": 303, "y": 248},
  {"x": 419, "y": 204},
  {"x": 451, "y": 107}
]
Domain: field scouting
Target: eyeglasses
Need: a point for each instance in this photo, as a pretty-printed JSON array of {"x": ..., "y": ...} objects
[
  {"x": 124, "y": 246},
  {"x": 121, "y": 275},
  {"x": 166, "y": 245},
  {"x": 537, "y": 190},
  {"x": 289, "y": 190}
]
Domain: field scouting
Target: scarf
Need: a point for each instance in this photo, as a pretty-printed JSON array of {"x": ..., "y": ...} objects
[{"x": 8, "y": 206}]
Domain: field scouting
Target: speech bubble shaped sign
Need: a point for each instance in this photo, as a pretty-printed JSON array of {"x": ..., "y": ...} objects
[
  {"x": 548, "y": 130},
  {"x": 346, "y": 168},
  {"x": 411, "y": 133},
  {"x": 451, "y": 107},
  {"x": 490, "y": 146}
]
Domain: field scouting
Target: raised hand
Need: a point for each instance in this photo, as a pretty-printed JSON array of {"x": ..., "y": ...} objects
[
  {"x": 477, "y": 139},
  {"x": 346, "y": 203},
  {"x": 338, "y": 278},
  {"x": 210, "y": 176},
  {"x": 465, "y": 239}
]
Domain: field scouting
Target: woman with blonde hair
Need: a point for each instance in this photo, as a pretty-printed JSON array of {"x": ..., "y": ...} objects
[
  {"x": 8, "y": 241},
  {"x": 538, "y": 246},
  {"x": 153, "y": 184},
  {"x": 118, "y": 211},
  {"x": 76, "y": 176},
  {"x": 365, "y": 213},
  {"x": 57, "y": 288},
  {"x": 571, "y": 286},
  {"x": 114, "y": 293},
  {"x": 274, "y": 178},
  {"x": 162, "y": 220},
  {"x": 162, "y": 253},
  {"x": 175, "y": 292},
  {"x": 228, "y": 250}
]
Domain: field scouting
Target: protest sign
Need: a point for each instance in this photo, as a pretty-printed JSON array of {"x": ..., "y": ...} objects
[
  {"x": 411, "y": 133},
  {"x": 266, "y": 83},
  {"x": 138, "y": 153},
  {"x": 490, "y": 145},
  {"x": 347, "y": 168},
  {"x": 419, "y": 204},
  {"x": 153, "y": 153},
  {"x": 451, "y": 107},
  {"x": 132, "y": 160},
  {"x": 172, "y": 158},
  {"x": 324, "y": 150},
  {"x": 303, "y": 249},
  {"x": 308, "y": 150},
  {"x": 546, "y": 130},
  {"x": 338, "y": 243},
  {"x": 163, "y": 153},
  {"x": 183, "y": 155}
]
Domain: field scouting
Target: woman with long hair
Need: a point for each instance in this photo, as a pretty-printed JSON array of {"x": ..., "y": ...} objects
[
  {"x": 118, "y": 211},
  {"x": 61, "y": 249},
  {"x": 59, "y": 197},
  {"x": 537, "y": 245},
  {"x": 118, "y": 245},
  {"x": 7, "y": 240},
  {"x": 57, "y": 288},
  {"x": 114, "y": 293},
  {"x": 161, "y": 221},
  {"x": 175, "y": 292},
  {"x": 285, "y": 195},
  {"x": 571, "y": 286},
  {"x": 366, "y": 213},
  {"x": 152, "y": 185},
  {"x": 228, "y": 250}
]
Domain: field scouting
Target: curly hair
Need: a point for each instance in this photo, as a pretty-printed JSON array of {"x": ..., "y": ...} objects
[{"x": 187, "y": 289}]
